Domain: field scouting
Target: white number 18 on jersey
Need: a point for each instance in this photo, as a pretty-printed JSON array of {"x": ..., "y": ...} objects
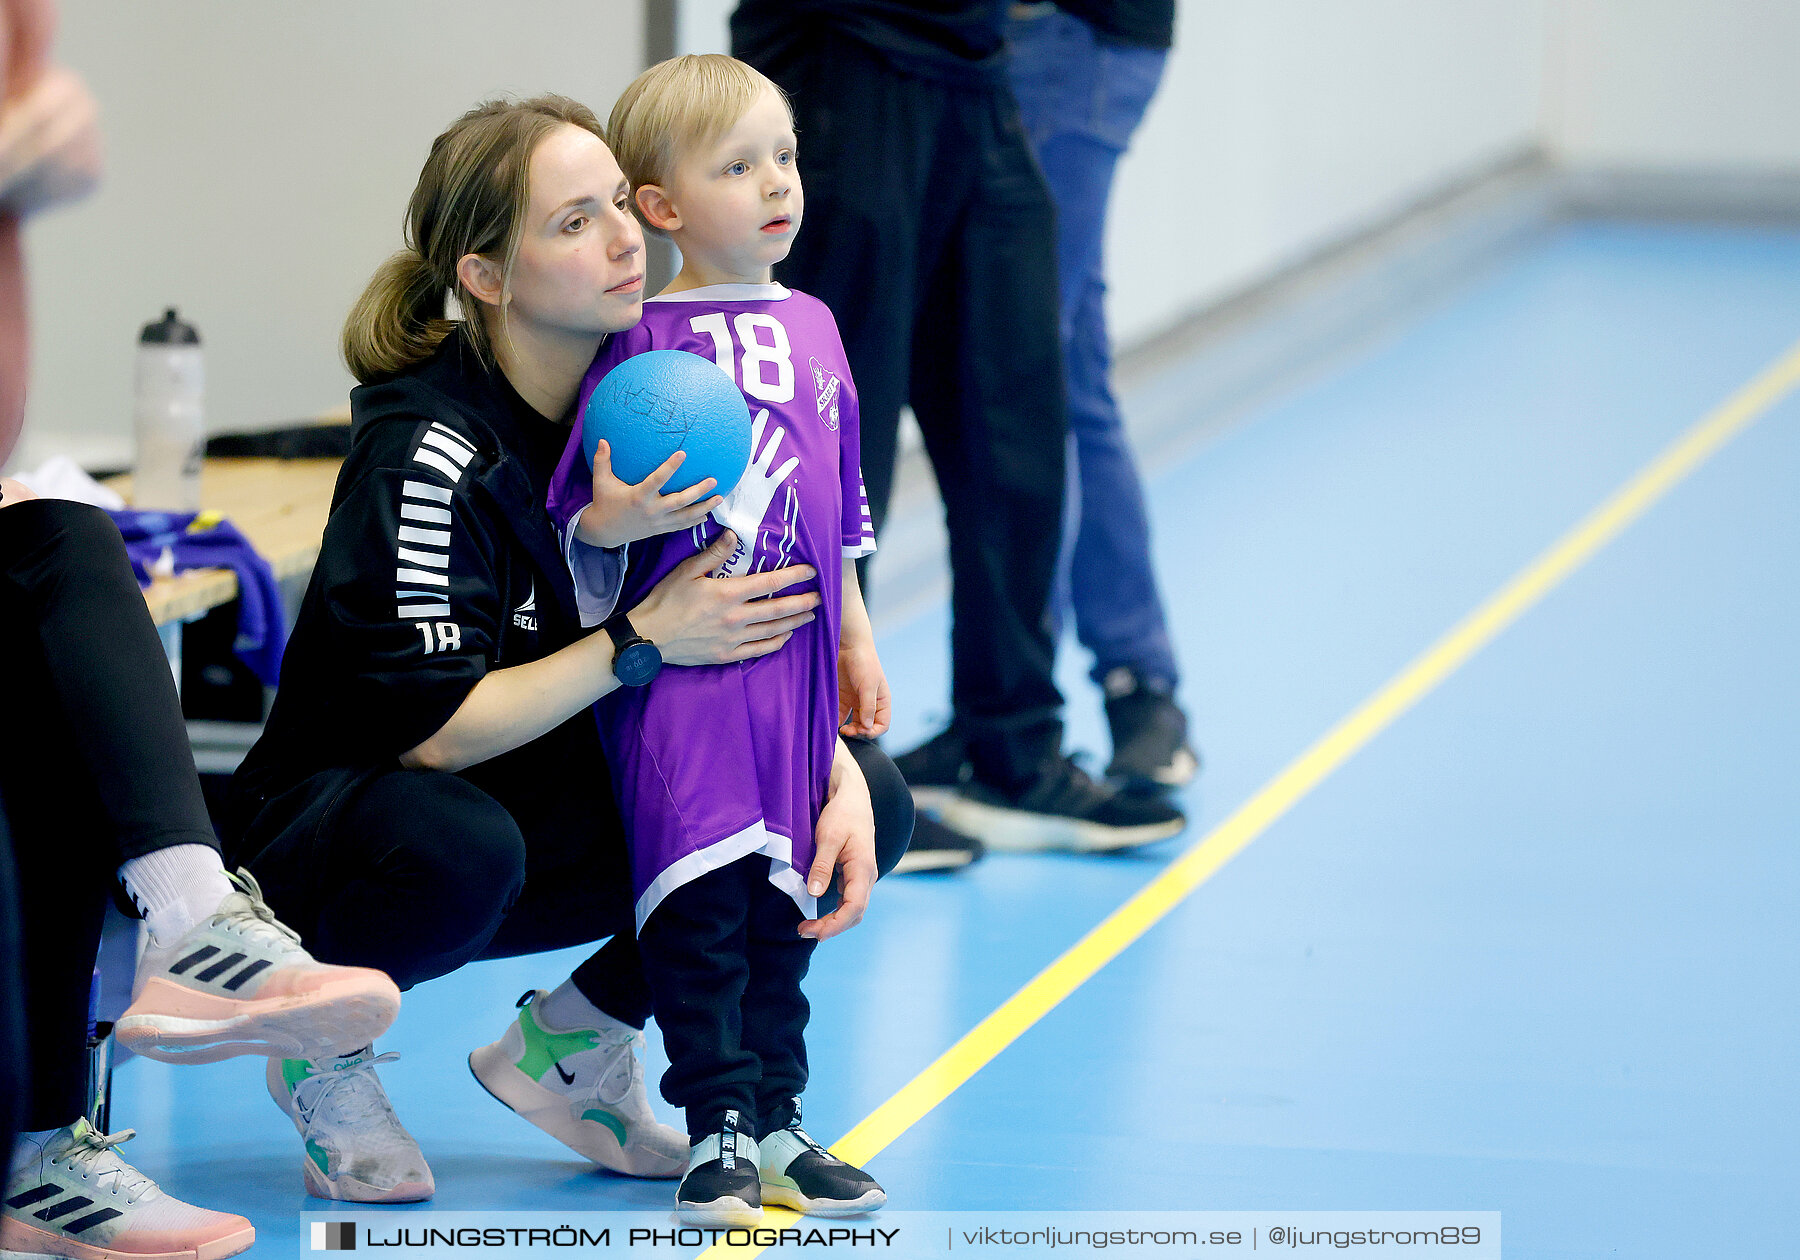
[{"x": 759, "y": 357}]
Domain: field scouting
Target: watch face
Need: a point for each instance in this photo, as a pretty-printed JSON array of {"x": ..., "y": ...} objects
[{"x": 638, "y": 664}]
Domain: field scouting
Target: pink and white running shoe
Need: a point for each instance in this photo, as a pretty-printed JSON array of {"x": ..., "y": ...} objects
[
  {"x": 72, "y": 1196},
  {"x": 240, "y": 983}
]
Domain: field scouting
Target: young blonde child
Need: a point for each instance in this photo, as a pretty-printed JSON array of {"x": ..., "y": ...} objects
[{"x": 721, "y": 771}]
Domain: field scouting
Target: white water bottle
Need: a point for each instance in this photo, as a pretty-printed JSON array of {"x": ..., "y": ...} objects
[{"x": 171, "y": 436}]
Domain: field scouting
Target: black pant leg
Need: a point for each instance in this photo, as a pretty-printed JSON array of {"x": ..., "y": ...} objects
[
  {"x": 64, "y": 880},
  {"x": 695, "y": 948},
  {"x": 891, "y": 798},
  {"x": 931, "y": 237},
  {"x": 410, "y": 871},
  {"x": 866, "y": 155},
  {"x": 103, "y": 773},
  {"x": 586, "y": 897},
  {"x": 775, "y": 1009},
  {"x": 613, "y": 979},
  {"x": 987, "y": 386},
  {"x": 418, "y": 872},
  {"x": 13, "y": 1066},
  {"x": 77, "y": 616}
]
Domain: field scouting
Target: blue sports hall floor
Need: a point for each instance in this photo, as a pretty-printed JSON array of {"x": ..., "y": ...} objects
[{"x": 1520, "y": 936}]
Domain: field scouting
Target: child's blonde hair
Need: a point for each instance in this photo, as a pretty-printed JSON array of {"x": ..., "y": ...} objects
[{"x": 677, "y": 104}]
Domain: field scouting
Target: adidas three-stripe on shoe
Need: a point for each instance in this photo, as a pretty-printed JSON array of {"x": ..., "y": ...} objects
[
  {"x": 239, "y": 983},
  {"x": 585, "y": 1088},
  {"x": 356, "y": 1148},
  {"x": 71, "y": 1195}
]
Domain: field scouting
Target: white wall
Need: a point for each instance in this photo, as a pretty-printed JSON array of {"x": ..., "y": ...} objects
[
  {"x": 259, "y": 158},
  {"x": 1667, "y": 84},
  {"x": 1285, "y": 125}
]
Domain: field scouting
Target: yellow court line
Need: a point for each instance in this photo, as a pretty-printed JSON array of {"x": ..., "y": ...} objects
[{"x": 1475, "y": 631}]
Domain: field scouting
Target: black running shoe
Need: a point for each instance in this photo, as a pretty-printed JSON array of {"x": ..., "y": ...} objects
[
  {"x": 798, "y": 1173},
  {"x": 721, "y": 1186},
  {"x": 936, "y": 847},
  {"x": 935, "y": 769},
  {"x": 1149, "y": 734},
  {"x": 1063, "y": 809}
]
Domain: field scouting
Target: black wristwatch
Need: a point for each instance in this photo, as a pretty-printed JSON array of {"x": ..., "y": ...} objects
[{"x": 636, "y": 660}]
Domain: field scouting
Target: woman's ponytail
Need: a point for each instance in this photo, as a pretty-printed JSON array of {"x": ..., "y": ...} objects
[{"x": 399, "y": 319}]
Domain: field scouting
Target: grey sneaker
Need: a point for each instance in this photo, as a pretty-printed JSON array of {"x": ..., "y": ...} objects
[{"x": 356, "y": 1148}]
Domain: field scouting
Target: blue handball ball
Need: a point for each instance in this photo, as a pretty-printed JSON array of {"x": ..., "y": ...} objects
[{"x": 662, "y": 401}]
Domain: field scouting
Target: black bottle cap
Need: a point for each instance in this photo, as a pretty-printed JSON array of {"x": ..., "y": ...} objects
[{"x": 169, "y": 331}]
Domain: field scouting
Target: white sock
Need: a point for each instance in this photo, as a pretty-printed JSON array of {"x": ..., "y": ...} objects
[
  {"x": 566, "y": 1007},
  {"x": 176, "y": 888}
]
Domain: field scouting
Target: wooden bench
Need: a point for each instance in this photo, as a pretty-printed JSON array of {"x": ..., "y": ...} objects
[{"x": 279, "y": 504}]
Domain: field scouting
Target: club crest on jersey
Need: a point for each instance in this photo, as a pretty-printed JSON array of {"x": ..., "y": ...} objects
[{"x": 826, "y": 388}]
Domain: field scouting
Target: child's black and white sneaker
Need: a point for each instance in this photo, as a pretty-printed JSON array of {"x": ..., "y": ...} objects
[
  {"x": 721, "y": 1186},
  {"x": 798, "y": 1173}
]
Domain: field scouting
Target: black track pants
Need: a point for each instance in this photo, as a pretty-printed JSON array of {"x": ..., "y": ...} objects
[{"x": 725, "y": 965}]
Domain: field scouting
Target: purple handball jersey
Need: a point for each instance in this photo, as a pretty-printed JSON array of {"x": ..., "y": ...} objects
[{"x": 719, "y": 762}]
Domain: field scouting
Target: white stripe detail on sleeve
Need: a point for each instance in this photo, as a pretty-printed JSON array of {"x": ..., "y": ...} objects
[
  {"x": 431, "y": 459},
  {"x": 443, "y": 450},
  {"x": 423, "y": 555},
  {"x": 425, "y": 490},
  {"x": 430, "y": 559},
  {"x": 419, "y": 512},
  {"x": 462, "y": 443},
  {"x": 457, "y": 453}
]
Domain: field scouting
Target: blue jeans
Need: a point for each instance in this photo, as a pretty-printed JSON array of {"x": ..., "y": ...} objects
[{"x": 1080, "y": 99}]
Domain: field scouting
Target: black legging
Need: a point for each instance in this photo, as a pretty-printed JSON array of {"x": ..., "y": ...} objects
[
  {"x": 96, "y": 771},
  {"x": 420, "y": 871}
]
